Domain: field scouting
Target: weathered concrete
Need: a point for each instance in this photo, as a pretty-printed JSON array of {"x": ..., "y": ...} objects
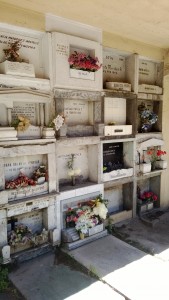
[
  {"x": 135, "y": 274},
  {"x": 132, "y": 273},
  {"x": 44, "y": 278},
  {"x": 150, "y": 235}
]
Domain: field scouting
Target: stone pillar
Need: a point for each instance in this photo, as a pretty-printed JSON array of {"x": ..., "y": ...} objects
[
  {"x": 3, "y": 227},
  {"x": 164, "y": 202}
]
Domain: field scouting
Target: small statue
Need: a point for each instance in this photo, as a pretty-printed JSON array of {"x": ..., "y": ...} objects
[{"x": 12, "y": 54}]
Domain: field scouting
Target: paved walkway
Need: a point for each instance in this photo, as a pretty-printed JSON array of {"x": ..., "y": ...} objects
[
  {"x": 135, "y": 274},
  {"x": 122, "y": 267},
  {"x": 45, "y": 278}
]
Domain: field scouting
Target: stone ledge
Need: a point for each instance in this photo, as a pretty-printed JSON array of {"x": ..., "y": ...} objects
[
  {"x": 32, "y": 253},
  {"x": 79, "y": 243}
]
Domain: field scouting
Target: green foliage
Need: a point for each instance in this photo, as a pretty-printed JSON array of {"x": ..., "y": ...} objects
[{"x": 3, "y": 279}]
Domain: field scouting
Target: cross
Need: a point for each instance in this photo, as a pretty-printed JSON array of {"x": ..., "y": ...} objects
[{"x": 12, "y": 222}]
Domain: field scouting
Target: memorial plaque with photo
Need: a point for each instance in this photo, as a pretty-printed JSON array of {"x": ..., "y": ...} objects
[{"x": 113, "y": 156}]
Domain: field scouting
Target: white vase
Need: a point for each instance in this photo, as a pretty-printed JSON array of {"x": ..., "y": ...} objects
[
  {"x": 145, "y": 167},
  {"x": 80, "y": 74},
  {"x": 8, "y": 134},
  {"x": 48, "y": 133},
  {"x": 161, "y": 164}
]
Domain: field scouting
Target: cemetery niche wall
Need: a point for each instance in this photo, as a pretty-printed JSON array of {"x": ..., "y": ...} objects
[
  {"x": 25, "y": 114},
  {"x": 95, "y": 149},
  {"x": 81, "y": 109}
]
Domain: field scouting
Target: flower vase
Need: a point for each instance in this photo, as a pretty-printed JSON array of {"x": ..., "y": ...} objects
[
  {"x": 153, "y": 165},
  {"x": 82, "y": 236}
]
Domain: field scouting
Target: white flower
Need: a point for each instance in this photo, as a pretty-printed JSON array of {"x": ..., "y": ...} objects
[
  {"x": 100, "y": 210},
  {"x": 71, "y": 173},
  {"x": 77, "y": 171},
  {"x": 58, "y": 122},
  {"x": 84, "y": 223}
]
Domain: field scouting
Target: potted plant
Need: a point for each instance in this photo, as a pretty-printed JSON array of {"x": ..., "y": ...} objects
[
  {"x": 83, "y": 65},
  {"x": 13, "y": 64},
  {"x": 155, "y": 159}
]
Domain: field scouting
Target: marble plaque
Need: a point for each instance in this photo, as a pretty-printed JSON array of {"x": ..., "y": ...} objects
[
  {"x": 76, "y": 112},
  {"x": 32, "y": 219},
  {"x": 30, "y": 47},
  {"x": 24, "y": 109},
  {"x": 29, "y": 206},
  {"x": 17, "y": 68},
  {"x": 80, "y": 161},
  {"x": 28, "y": 191},
  {"x": 33, "y": 132},
  {"x": 115, "y": 110},
  {"x": 147, "y": 72},
  {"x": 27, "y": 164},
  {"x": 113, "y": 67}
]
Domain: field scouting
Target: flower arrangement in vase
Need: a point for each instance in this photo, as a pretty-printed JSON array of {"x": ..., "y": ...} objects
[
  {"x": 148, "y": 118},
  {"x": 155, "y": 157},
  {"x": 56, "y": 124},
  {"x": 148, "y": 196},
  {"x": 72, "y": 173},
  {"x": 12, "y": 54},
  {"x": 22, "y": 236},
  {"x": 146, "y": 201},
  {"x": 88, "y": 215},
  {"x": 13, "y": 64},
  {"x": 21, "y": 123},
  {"x": 84, "y": 62}
]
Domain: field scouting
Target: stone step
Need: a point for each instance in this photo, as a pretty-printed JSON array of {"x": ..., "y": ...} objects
[{"x": 79, "y": 243}]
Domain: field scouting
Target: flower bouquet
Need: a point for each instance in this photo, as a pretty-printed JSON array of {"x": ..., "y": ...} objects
[
  {"x": 148, "y": 118},
  {"x": 84, "y": 62},
  {"x": 57, "y": 122},
  {"x": 21, "y": 238},
  {"x": 20, "y": 235},
  {"x": 21, "y": 123},
  {"x": 148, "y": 196},
  {"x": 88, "y": 215},
  {"x": 146, "y": 201}
]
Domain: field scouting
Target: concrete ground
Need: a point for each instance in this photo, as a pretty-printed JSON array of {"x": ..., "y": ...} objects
[
  {"x": 57, "y": 277},
  {"x": 150, "y": 235},
  {"x": 125, "y": 272}
]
